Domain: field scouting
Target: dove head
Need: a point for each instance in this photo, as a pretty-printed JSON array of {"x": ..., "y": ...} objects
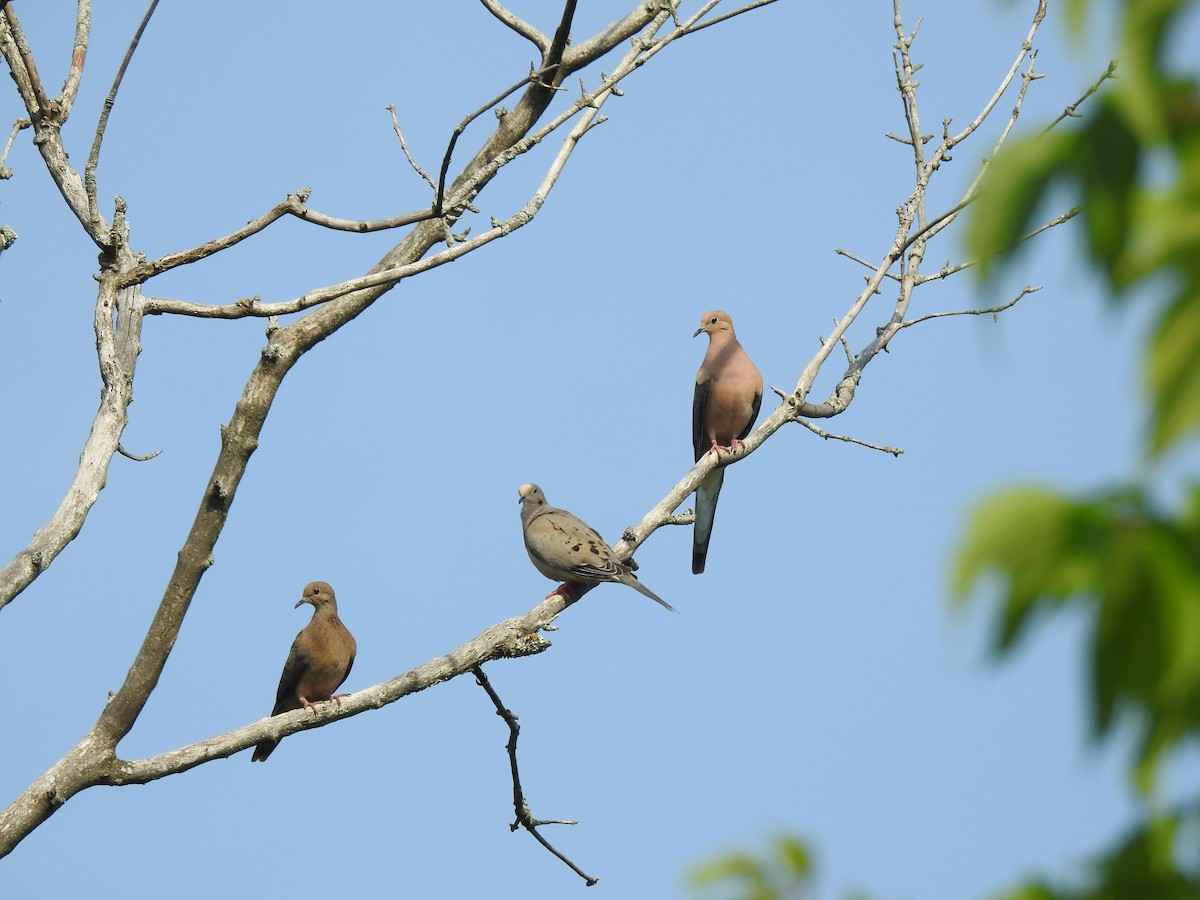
[
  {"x": 714, "y": 322},
  {"x": 318, "y": 593},
  {"x": 532, "y": 494}
]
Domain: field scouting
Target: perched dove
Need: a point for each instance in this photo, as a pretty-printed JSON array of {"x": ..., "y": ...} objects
[
  {"x": 728, "y": 394},
  {"x": 318, "y": 663},
  {"x": 563, "y": 548}
]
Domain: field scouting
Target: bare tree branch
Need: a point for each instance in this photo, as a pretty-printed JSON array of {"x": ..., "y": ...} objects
[
  {"x": 294, "y": 205},
  {"x": 118, "y": 323},
  {"x": 716, "y": 20},
  {"x": 829, "y": 436},
  {"x": 391, "y": 108},
  {"x": 1025, "y": 291},
  {"x": 24, "y": 70},
  {"x": 83, "y": 30},
  {"x": 47, "y": 124},
  {"x": 89, "y": 170},
  {"x": 18, "y": 126},
  {"x": 1071, "y": 111},
  {"x": 524, "y": 818},
  {"x": 520, "y": 26},
  {"x": 121, "y": 307},
  {"x": 93, "y": 760}
]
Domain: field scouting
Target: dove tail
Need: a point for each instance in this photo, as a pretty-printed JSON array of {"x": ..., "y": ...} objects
[
  {"x": 641, "y": 588},
  {"x": 706, "y": 510},
  {"x": 263, "y": 750}
]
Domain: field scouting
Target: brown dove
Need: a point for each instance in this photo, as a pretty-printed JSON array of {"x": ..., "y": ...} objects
[
  {"x": 728, "y": 395},
  {"x": 318, "y": 663},
  {"x": 563, "y": 548}
]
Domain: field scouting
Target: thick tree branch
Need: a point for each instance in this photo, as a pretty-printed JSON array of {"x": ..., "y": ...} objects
[
  {"x": 24, "y": 69},
  {"x": 118, "y": 318},
  {"x": 93, "y": 760},
  {"x": 117, "y": 322},
  {"x": 93, "y": 763}
]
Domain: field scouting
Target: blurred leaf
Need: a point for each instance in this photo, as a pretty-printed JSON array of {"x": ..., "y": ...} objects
[
  {"x": 783, "y": 873},
  {"x": 1172, "y": 374},
  {"x": 1036, "y": 540},
  {"x": 1107, "y": 162},
  {"x": 734, "y": 866},
  {"x": 1016, "y": 183},
  {"x": 795, "y": 858},
  {"x": 1142, "y": 867},
  {"x": 1140, "y": 574},
  {"x": 1141, "y": 91}
]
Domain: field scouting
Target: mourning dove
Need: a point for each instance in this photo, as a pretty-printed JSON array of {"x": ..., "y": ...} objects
[
  {"x": 563, "y": 548},
  {"x": 317, "y": 664},
  {"x": 728, "y": 394}
]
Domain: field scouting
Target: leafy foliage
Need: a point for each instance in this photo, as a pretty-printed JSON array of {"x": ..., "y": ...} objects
[
  {"x": 1134, "y": 161},
  {"x": 783, "y": 873},
  {"x": 1134, "y": 568},
  {"x": 1142, "y": 866}
]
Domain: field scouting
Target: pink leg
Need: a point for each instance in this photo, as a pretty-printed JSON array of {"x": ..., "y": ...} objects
[{"x": 717, "y": 448}]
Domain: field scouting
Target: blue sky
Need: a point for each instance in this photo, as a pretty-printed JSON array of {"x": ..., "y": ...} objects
[{"x": 817, "y": 680}]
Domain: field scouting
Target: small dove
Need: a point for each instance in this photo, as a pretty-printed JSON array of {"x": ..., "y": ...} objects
[
  {"x": 563, "y": 548},
  {"x": 728, "y": 395},
  {"x": 318, "y": 663}
]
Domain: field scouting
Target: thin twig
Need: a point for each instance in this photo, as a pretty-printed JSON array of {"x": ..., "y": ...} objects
[
  {"x": 517, "y": 24},
  {"x": 524, "y": 818},
  {"x": 829, "y": 436},
  {"x": 125, "y": 453},
  {"x": 700, "y": 26},
  {"x": 391, "y": 107},
  {"x": 18, "y": 126},
  {"x": 1026, "y": 48},
  {"x": 89, "y": 170},
  {"x": 83, "y": 29},
  {"x": 1071, "y": 112},
  {"x": 947, "y": 270},
  {"x": 870, "y": 265},
  {"x": 1028, "y": 289},
  {"x": 550, "y": 63},
  {"x": 439, "y": 199},
  {"x": 294, "y": 205}
]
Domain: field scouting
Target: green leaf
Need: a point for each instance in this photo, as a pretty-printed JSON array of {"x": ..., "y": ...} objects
[
  {"x": 795, "y": 858},
  {"x": 1107, "y": 164},
  {"x": 1034, "y": 539},
  {"x": 1010, "y": 195},
  {"x": 781, "y": 874},
  {"x": 1140, "y": 573},
  {"x": 1143, "y": 866},
  {"x": 1172, "y": 374}
]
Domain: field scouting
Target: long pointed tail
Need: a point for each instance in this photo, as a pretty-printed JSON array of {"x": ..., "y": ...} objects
[
  {"x": 641, "y": 588},
  {"x": 706, "y": 510}
]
